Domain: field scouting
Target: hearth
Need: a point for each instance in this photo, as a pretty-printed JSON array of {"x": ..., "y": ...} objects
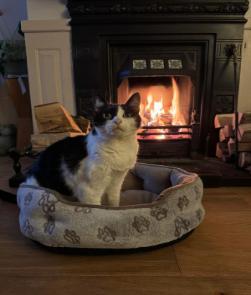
[{"x": 174, "y": 53}]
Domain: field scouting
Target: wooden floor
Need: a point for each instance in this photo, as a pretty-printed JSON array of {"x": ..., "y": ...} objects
[{"x": 214, "y": 259}]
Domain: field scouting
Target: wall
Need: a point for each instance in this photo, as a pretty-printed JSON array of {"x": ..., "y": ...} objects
[
  {"x": 13, "y": 11},
  {"x": 244, "y": 103}
]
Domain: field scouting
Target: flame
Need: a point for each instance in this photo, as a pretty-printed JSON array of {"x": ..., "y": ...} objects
[
  {"x": 155, "y": 111},
  {"x": 149, "y": 102},
  {"x": 178, "y": 118},
  {"x": 173, "y": 108}
]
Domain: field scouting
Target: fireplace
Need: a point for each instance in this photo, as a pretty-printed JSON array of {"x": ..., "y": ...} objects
[{"x": 174, "y": 53}]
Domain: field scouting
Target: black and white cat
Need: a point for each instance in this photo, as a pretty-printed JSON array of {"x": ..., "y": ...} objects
[{"x": 93, "y": 167}]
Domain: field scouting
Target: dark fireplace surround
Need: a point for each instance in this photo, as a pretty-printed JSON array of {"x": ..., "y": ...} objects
[{"x": 108, "y": 36}]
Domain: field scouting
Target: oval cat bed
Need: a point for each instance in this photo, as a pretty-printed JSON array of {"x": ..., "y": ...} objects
[{"x": 159, "y": 204}]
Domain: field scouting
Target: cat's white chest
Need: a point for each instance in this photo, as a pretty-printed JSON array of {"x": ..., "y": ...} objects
[{"x": 119, "y": 155}]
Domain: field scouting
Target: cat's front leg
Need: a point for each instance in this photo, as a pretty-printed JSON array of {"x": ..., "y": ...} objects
[
  {"x": 87, "y": 193},
  {"x": 91, "y": 186},
  {"x": 113, "y": 190}
]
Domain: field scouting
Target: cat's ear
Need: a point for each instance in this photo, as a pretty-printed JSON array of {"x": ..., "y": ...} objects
[
  {"x": 99, "y": 103},
  {"x": 134, "y": 102}
]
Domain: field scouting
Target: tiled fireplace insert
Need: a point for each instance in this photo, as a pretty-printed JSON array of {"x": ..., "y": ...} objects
[{"x": 174, "y": 53}]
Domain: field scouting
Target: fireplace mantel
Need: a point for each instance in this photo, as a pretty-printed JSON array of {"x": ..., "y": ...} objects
[{"x": 168, "y": 11}]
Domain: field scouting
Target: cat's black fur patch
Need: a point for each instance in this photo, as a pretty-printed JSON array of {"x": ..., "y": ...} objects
[
  {"x": 107, "y": 112},
  {"x": 129, "y": 112},
  {"x": 47, "y": 168},
  {"x": 131, "y": 108}
]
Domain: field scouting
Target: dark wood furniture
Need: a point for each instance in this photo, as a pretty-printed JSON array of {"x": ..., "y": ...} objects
[{"x": 21, "y": 102}]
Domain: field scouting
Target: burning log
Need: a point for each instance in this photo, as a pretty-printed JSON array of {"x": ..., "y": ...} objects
[
  {"x": 167, "y": 119},
  {"x": 156, "y": 111}
]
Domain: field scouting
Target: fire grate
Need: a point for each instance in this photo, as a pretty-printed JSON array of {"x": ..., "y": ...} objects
[{"x": 172, "y": 132}]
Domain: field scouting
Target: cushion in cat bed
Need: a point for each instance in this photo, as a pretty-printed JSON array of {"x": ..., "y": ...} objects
[{"x": 159, "y": 204}]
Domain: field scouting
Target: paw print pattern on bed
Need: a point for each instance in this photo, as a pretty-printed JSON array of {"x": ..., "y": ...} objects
[{"x": 49, "y": 219}]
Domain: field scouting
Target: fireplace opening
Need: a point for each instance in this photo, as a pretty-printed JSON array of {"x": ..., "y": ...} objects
[
  {"x": 170, "y": 80},
  {"x": 166, "y": 105}
]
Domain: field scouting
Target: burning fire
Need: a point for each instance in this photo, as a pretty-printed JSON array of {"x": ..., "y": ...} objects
[
  {"x": 159, "y": 110},
  {"x": 153, "y": 113}
]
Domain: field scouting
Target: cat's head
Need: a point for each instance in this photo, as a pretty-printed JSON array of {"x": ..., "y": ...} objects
[{"x": 117, "y": 120}]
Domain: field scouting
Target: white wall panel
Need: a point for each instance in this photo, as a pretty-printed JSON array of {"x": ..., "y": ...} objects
[
  {"x": 49, "y": 59},
  {"x": 49, "y": 75}
]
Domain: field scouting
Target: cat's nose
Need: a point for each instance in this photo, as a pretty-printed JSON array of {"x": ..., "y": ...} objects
[{"x": 117, "y": 121}]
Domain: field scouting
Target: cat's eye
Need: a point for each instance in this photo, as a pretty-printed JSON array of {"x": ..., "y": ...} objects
[{"x": 107, "y": 116}]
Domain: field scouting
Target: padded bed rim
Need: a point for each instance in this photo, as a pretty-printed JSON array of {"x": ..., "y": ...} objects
[{"x": 161, "y": 196}]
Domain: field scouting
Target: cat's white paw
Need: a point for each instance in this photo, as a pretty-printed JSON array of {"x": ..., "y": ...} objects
[{"x": 90, "y": 201}]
